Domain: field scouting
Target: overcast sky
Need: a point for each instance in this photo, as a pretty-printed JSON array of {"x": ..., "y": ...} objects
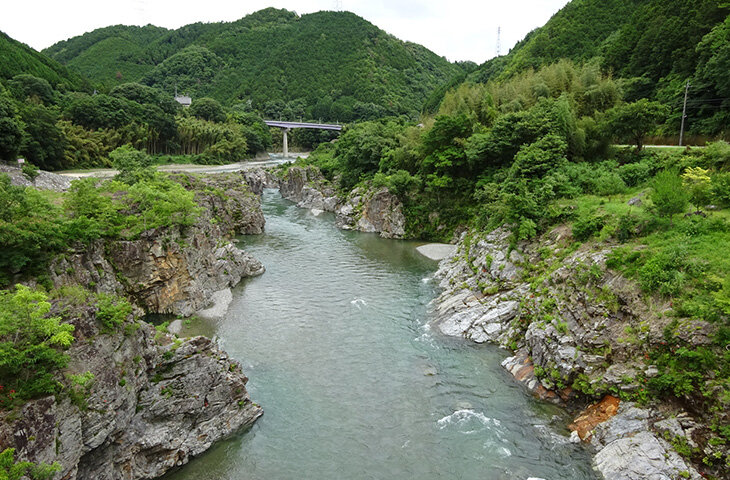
[{"x": 455, "y": 29}]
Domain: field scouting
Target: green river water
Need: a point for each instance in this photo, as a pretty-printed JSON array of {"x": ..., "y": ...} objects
[{"x": 354, "y": 384}]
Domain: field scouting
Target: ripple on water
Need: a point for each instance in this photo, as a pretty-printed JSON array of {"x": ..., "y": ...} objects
[{"x": 354, "y": 382}]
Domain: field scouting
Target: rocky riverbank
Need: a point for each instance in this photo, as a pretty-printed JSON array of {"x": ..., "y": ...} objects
[
  {"x": 153, "y": 403},
  {"x": 577, "y": 331},
  {"x": 371, "y": 211},
  {"x": 136, "y": 402},
  {"x": 175, "y": 270}
]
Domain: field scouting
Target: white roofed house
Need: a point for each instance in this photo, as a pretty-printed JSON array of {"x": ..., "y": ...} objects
[{"x": 183, "y": 100}]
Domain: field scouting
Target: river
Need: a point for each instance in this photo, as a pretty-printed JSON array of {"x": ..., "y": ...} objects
[{"x": 354, "y": 384}]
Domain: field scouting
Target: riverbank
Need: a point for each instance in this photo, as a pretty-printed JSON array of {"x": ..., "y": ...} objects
[
  {"x": 568, "y": 319},
  {"x": 572, "y": 323},
  {"x": 124, "y": 399},
  {"x": 336, "y": 340}
]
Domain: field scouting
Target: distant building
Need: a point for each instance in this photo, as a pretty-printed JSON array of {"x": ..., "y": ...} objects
[{"x": 183, "y": 100}]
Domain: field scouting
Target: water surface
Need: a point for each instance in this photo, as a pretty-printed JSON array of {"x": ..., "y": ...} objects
[{"x": 354, "y": 385}]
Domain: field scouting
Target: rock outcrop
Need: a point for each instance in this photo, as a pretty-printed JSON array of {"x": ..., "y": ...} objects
[
  {"x": 575, "y": 327},
  {"x": 175, "y": 270},
  {"x": 371, "y": 211},
  {"x": 43, "y": 181},
  {"x": 628, "y": 450},
  {"x": 154, "y": 402}
]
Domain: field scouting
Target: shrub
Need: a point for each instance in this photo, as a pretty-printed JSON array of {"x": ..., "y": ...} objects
[
  {"x": 717, "y": 155},
  {"x": 132, "y": 164},
  {"x": 112, "y": 311},
  {"x": 665, "y": 272},
  {"x": 12, "y": 470},
  {"x": 31, "y": 345},
  {"x": 721, "y": 189},
  {"x": 668, "y": 194},
  {"x": 30, "y": 171},
  {"x": 610, "y": 183},
  {"x": 698, "y": 183},
  {"x": 634, "y": 174},
  {"x": 80, "y": 388},
  {"x": 587, "y": 225}
]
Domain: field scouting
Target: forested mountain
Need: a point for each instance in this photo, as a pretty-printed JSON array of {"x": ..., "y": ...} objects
[
  {"x": 17, "y": 58},
  {"x": 328, "y": 65},
  {"x": 654, "y": 45}
]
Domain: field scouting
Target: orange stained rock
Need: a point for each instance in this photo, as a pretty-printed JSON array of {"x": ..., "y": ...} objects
[{"x": 597, "y": 413}]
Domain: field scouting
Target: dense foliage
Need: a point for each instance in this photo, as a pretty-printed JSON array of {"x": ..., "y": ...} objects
[
  {"x": 35, "y": 226},
  {"x": 533, "y": 151},
  {"x": 16, "y": 470},
  {"x": 31, "y": 346},
  {"x": 332, "y": 66},
  {"x": 500, "y": 151},
  {"x": 655, "y": 46},
  {"x": 55, "y": 130},
  {"x": 19, "y": 59}
]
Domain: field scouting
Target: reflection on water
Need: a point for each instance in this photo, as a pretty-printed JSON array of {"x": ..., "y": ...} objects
[{"x": 354, "y": 384}]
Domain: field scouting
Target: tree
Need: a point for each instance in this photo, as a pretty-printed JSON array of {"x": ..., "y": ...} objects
[
  {"x": 11, "y": 132},
  {"x": 43, "y": 141},
  {"x": 360, "y": 149},
  {"x": 131, "y": 163},
  {"x": 668, "y": 193},
  {"x": 538, "y": 158},
  {"x": 31, "y": 345},
  {"x": 27, "y": 86},
  {"x": 633, "y": 121},
  {"x": 697, "y": 181},
  {"x": 208, "y": 109},
  {"x": 101, "y": 111}
]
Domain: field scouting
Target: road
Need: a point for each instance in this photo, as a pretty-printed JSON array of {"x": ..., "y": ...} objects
[{"x": 275, "y": 159}]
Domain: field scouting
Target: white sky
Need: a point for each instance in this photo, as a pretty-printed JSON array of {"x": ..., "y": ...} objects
[{"x": 455, "y": 29}]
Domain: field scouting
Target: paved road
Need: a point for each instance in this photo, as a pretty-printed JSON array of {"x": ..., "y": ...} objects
[{"x": 275, "y": 159}]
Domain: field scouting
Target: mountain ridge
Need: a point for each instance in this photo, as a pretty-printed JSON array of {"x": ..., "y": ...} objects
[{"x": 269, "y": 57}]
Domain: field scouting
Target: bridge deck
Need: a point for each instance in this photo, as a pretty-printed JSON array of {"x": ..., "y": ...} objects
[{"x": 319, "y": 126}]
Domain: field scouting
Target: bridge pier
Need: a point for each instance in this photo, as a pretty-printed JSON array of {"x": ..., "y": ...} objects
[{"x": 286, "y": 126}]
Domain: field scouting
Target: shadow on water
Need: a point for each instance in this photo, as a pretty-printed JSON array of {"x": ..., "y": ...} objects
[{"x": 354, "y": 384}]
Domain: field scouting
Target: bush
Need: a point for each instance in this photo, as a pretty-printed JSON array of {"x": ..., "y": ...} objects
[
  {"x": 587, "y": 225},
  {"x": 634, "y": 174},
  {"x": 721, "y": 189},
  {"x": 668, "y": 193},
  {"x": 609, "y": 183},
  {"x": 665, "y": 272},
  {"x": 133, "y": 165},
  {"x": 698, "y": 183},
  {"x": 30, "y": 171},
  {"x": 31, "y": 345},
  {"x": 12, "y": 470},
  {"x": 717, "y": 155},
  {"x": 112, "y": 311},
  {"x": 398, "y": 183}
]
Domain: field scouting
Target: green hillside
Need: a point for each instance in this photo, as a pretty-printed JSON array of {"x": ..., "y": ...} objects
[
  {"x": 17, "y": 58},
  {"x": 329, "y": 65},
  {"x": 654, "y": 45}
]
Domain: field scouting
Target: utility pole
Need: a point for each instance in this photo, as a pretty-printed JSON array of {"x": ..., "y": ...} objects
[{"x": 684, "y": 114}]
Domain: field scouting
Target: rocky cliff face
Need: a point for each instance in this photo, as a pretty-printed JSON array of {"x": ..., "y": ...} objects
[
  {"x": 574, "y": 327},
  {"x": 370, "y": 211},
  {"x": 175, "y": 270},
  {"x": 154, "y": 402}
]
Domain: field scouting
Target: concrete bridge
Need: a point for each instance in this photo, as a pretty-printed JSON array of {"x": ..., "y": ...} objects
[{"x": 286, "y": 126}]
